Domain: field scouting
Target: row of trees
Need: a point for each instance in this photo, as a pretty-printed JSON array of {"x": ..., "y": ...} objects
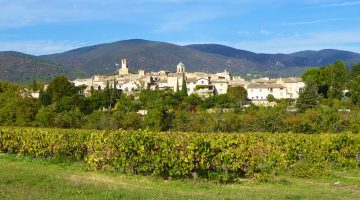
[{"x": 330, "y": 84}]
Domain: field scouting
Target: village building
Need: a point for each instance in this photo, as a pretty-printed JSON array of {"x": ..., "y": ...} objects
[{"x": 201, "y": 83}]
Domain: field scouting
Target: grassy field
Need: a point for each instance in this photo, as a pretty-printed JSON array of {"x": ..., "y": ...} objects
[{"x": 24, "y": 178}]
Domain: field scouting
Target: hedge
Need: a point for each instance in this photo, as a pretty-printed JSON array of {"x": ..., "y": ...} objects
[{"x": 223, "y": 156}]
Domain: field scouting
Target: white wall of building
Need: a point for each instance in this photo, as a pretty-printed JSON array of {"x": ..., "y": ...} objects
[{"x": 221, "y": 87}]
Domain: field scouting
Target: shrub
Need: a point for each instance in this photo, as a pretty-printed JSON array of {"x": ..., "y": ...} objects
[
  {"x": 223, "y": 156},
  {"x": 100, "y": 120}
]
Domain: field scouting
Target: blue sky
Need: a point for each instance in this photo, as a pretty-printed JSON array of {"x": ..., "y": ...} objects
[{"x": 268, "y": 26}]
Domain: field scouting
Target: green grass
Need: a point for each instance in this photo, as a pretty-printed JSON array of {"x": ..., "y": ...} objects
[{"x": 25, "y": 178}]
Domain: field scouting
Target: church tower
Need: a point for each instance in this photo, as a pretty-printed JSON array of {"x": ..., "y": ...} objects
[
  {"x": 180, "y": 68},
  {"x": 123, "y": 64},
  {"x": 124, "y": 70}
]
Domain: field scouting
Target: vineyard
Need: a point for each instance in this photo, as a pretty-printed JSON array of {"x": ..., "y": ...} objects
[{"x": 222, "y": 156}]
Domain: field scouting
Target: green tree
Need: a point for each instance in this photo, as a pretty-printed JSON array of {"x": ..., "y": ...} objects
[
  {"x": 308, "y": 98},
  {"x": 270, "y": 98},
  {"x": 330, "y": 80},
  {"x": 125, "y": 104},
  {"x": 202, "y": 122},
  {"x": 239, "y": 93},
  {"x": 100, "y": 120},
  {"x": 219, "y": 101},
  {"x": 184, "y": 86},
  {"x": 269, "y": 119},
  {"x": 44, "y": 98},
  {"x": 177, "y": 86},
  {"x": 130, "y": 121},
  {"x": 181, "y": 121},
  {"x": 66, "y": 103},
  {"x": 34, "y": 86},
  {"x": 69, "y": 119},
  {"x": 355, "y": 90},
  {"x": 45, "y": 117},
  {"x": 355, "y": 71},
  {"x": 227, "y": 122},
  {"x": 159, "y": 117},
  {"x": 311, "y": 75},
  {"x": 15, "y": 109},
  {"x": 338, "y": 79},
  {"x": 154, "y": 120},
  {"x": 60, "y": 87}
]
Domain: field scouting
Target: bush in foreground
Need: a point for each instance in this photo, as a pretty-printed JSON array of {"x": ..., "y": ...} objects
[{"x": 213, "y": 156}]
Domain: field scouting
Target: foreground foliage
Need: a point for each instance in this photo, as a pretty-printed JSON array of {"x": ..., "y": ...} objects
[{"x": 211, "y": 156}]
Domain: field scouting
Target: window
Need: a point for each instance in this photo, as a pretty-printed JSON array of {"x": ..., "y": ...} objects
[
  {"x": 202, "y": 82},
  {"x": 257, "y": 97},
  {"x": 271, "y": 90},
  {"x": 260, "y": 90},
  {"x": 188, "y": 89}
]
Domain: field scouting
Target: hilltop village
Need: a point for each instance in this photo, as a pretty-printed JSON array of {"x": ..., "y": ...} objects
[{"x": 201, "y": 83}]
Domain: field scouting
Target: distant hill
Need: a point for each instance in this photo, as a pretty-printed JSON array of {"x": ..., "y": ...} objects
[
  {"x": 19, "y": 67},
  {"x": 148, "y": 55},
  {"x": 154, "y": 56},
  {"x": 326, "y": 56},
  {"x": 298, "y": 59}
]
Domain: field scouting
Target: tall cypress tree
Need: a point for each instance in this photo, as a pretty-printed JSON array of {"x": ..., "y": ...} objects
[
  {"x": 34, "y": 85},
  {"x": 107, "y": 95},
  {"x": 116, "y": 93},
  {"x": 177, "y": 86},
  {"x": 184, "y": 86}
]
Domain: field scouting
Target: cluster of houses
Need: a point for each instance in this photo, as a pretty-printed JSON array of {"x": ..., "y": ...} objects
[{"x": 201, "y": 83}]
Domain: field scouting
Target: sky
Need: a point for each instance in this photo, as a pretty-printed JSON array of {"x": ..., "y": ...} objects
[{"x": 41, "y": 27}]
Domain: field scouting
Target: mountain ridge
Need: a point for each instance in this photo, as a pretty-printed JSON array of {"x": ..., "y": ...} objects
[
  {"x": 154, "y": 56},
  {"x": 20, "y": 67}
]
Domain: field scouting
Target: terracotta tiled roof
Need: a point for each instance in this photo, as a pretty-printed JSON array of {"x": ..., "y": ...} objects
[
  {"x": 264, "y": 85},
  {"x": 289, "y": 80}
]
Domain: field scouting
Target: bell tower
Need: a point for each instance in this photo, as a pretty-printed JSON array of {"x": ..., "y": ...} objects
[
  {"x": 180, "y": 68},
  {"x": 124, "y": 64},
  {"x": 124, "y": 70}
]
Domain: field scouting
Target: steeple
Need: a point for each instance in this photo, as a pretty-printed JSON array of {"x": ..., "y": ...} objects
[
  {"x": 124, "y": 70},
  {"x": 123, "y": 64},
  {"x": 180, "y": 68}
]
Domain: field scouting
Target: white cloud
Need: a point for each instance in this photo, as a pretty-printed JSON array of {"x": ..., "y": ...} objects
[
  {"x": 342, "y": 4},
  {"x": 265, "y": 32},
  {"x": 318, "y": 21},
  {"x": 244, "y": 33},
  {"x": 261, "y": 32},
  {"x": 19, "y": 13},
  {"x": 39, "y": 47},
  {"x": 345, "y": 40},
  {"x": 180, "y": 20}
]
